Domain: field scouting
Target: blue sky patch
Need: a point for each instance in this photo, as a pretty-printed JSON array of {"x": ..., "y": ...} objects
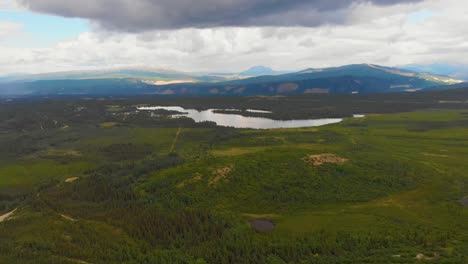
[
  {"x": 45, "y": 29},
  {"x": 420, "y": 16}
]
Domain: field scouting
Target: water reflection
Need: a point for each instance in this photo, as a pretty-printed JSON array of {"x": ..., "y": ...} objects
[{"x": 238, "y": 121}]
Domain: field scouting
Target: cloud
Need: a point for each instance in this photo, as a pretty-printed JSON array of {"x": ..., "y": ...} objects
[
  {"x": 9, "y": 5},
  {"x": 144, "y": 15},
  {"x": 8, "y": 30},
  {"x": 384, "y": 35}
]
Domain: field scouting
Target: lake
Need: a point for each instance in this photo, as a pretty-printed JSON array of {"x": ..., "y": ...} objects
[{"x": 239, "y": 121}]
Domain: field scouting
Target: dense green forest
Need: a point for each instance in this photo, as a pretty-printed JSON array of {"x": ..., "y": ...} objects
[{"x": 93, "y": 180}]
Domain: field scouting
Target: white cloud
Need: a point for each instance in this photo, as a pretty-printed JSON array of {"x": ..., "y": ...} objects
[
  {"x": 10, "y": 5},
  {"x": 8, "y": 30},
  {"x": 381, "y": 35}
]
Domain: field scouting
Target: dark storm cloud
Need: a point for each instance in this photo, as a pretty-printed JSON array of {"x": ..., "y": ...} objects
[{"x": 141, "y": 15}]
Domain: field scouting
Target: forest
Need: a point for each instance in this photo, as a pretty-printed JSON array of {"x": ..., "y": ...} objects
[{"x": 94, "y": 180}]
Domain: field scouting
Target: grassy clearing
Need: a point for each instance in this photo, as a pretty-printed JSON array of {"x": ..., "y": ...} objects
[{"x": 25, "y": 176}]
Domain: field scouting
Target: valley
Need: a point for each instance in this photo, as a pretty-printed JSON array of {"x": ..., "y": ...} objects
[
  {"x": 94, "y": 180},
  {"x": 233, "y": 132}
]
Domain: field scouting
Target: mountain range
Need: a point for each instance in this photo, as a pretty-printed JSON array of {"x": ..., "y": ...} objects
[
  {"x": 259, "y": 80},
  {"x": 151, "y": 75},
  {"x": 457, "y": 71}
]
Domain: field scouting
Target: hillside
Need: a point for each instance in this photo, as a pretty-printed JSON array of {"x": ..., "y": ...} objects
[
  {"x": 148, "y": 74},
  {"x": 351, "y": 79},
  {"x": 77, "y": 87},
  {"x": 456, "y": 71}
]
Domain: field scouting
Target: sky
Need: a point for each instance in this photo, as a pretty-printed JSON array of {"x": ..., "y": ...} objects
[{"x": 39, "y": 36}]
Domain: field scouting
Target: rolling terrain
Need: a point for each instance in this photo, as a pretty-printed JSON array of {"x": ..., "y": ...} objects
[
  {"x": 95, "y": 181},
  {"x": 350, "y": 79},
  {"x": 138, "y": 73},
  {"x": 233, "y": 132}
]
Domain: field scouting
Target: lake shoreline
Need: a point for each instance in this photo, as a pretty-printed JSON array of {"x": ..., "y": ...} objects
[{"x": 233, "y": 118}]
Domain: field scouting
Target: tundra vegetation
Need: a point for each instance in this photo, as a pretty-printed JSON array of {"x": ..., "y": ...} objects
[{"x": 92, "y": 180}]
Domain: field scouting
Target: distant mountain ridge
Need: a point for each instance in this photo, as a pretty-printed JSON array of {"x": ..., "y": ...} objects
[
  {"x": 349, "y": 79},
  {"x": 139, "y": 73},
  {"x": 452, "y": 70},
  {"x": 149, "y": 74},
  {"x": 260, "y": 71}
]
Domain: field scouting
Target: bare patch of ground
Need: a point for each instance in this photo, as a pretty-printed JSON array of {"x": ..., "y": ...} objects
[
  {"x": 7, "y": 215},
  {"x": 196, "y": 178},
  {"x": 70, "y": 180},
  {"x": 320, "y": 159},
  {"x": 262, "y": 225},
  {"x": 68, "y": 217},
  {"x": 220, "y": 174}
]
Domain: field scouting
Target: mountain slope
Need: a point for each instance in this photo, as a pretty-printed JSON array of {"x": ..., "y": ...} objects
[
  {"x": 454, "y": 71},
  {"x": 363, "y": 78},
  {"x": 77, "y": 87},
  {"x": 261, "y": 71},
  {"x": 350, "y": 79},
  {"x": 356, "y": 70},
  {"x": 147, "y": 74}
]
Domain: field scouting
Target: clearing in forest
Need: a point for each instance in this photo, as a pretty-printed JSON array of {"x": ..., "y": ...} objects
[
  {"x": 70, "y": 180},
  {"x": 7, "y": 215},
  {"x": 320, "y": 159},
  {"x": 220, "y": 173},
  {"x": 68, "y": 217}
]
